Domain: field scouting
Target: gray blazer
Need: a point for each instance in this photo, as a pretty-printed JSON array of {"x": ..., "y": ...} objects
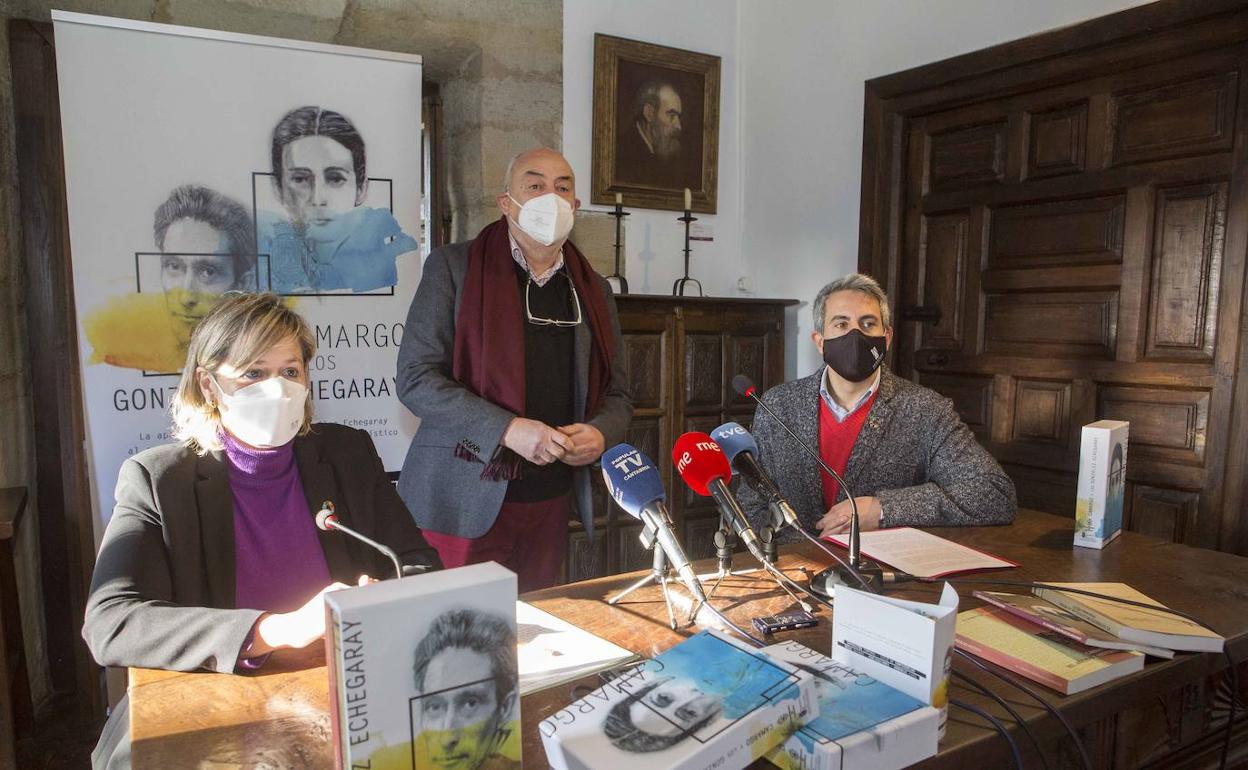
[
  {"x": 914, "y": 453},
  {"x": 445, "y": 493}
]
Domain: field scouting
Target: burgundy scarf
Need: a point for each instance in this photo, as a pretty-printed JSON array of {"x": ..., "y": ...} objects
[{"x": 489, "y": 335}]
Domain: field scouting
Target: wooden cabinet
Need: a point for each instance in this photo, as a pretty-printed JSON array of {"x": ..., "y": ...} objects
[{"x": 681, "y": 354}]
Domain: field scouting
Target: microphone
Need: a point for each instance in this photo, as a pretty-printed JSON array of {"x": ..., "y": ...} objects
[
  {"x": 703, "y": 466},
  {"x": 742, "y": 453},
  {"x": 327, "y": 521},
  {"x": 637, "y": 487},
  {"x": 825, "y": 581}
]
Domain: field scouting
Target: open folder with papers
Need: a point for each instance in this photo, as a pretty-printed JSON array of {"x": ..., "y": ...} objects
[{"x": 922, "y": 554}]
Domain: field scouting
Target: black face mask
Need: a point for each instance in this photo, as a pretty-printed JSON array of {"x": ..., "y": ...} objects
[{"x": 854, "y": 355}]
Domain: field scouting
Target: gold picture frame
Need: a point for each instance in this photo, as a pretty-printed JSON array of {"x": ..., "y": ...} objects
[{"x": 656, "y": 125}]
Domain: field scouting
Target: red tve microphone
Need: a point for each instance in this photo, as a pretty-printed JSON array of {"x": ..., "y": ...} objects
[{"x": 705, "y": 468}]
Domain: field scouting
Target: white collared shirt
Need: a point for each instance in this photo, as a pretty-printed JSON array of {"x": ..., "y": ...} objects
[
  {"x": 518, "y": 255},
  {"x": 838, "y": 411}
]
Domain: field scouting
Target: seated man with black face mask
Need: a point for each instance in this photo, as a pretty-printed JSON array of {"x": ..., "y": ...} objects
[{"x": 901, "y": 448}]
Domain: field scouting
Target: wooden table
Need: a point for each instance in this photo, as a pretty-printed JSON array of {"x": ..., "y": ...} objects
[{"x": 278, "y": 717}]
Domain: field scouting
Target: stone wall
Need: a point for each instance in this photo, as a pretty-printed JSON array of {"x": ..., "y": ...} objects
[{"x": 497, "y": 62}]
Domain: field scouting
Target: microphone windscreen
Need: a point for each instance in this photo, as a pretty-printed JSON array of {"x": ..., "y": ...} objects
[
  {"x": 734, "y": 440},
  {"x": 631, "y": 478},
  {"x": 699, "y": 461},
  {"x": 323, "y": 518},
  {"x": 743, "y": 385}
]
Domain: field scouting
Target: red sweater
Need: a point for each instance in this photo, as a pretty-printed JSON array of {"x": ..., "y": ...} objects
[{"x": 836, "y": 442}]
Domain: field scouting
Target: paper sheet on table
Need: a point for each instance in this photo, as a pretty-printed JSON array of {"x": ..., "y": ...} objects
[{"x": 922, "y": 554}]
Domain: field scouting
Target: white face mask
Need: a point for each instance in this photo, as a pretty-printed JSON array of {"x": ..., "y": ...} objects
[
  {"x": 546, "y": 218},
  {"x": 264, "y": 414}
]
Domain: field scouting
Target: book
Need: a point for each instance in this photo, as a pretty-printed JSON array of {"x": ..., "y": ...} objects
[
  {"x": 1043, "y": 656},
  {"x": 920, "y": 553},
  {"x": 1054, "y": 618},
  {"x": 710, "y": 701},
  {"x": 552, "y": 651},
  {"x": 906, "y": 645},
  {"x": 862, "y": 722},
  {"x": 1134, "y": 624},
  {"x": 1101, "y": 483},
  {"x": 422, "y": 671}
]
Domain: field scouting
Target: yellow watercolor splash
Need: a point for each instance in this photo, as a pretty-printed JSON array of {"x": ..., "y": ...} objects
[
  {"x": 505, "y": 756},
  {"x": 138, "y": 331}
]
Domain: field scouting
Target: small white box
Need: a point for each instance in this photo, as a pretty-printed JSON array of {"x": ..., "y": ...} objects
[{"x": 1102, "y": 481}]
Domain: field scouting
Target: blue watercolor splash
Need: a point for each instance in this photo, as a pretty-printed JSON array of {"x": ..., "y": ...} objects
[{"x": 355, "y": 251}]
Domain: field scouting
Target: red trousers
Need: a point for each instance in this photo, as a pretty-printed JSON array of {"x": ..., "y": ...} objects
[{"x": 530, "y": 539}]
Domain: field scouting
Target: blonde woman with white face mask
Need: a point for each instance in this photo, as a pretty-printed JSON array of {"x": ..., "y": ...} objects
[{"x": 212, "y": 559}]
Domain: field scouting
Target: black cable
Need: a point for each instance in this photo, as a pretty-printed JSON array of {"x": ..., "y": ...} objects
[
  {"x": 1018, "y": 719},
  {"x": 848, "y": 567},
  {"x": 1018, "y": 758},
  {"x": 1065, "y": 589},
  {"x": 1070, "y": 729}
]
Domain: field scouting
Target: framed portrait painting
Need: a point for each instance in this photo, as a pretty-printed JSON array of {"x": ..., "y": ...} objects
[{"x": 656, "y": 125}]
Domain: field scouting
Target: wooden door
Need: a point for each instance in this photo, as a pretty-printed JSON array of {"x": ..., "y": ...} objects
[{"x": 1071, "y": 249}]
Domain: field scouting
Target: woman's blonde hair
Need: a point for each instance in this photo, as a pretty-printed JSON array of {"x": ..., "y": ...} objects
[{"x": 239, "y": 329}]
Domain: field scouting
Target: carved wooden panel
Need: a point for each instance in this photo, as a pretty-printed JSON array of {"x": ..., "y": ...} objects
[
  {"x": 967, "y": 156},
  {"x": 944, "y": 243},
  {"x": 1042, "y": 411},
  {"x": 1077, "y": 232},
  {"x": 1187, "y": 264},
  {"x": 643, "y": 355},
  {"x": 630, "y": 554},
  {"x": 1071, "y": 324},
  {"x": 747, "y": 354},
  {"x": 704, "y": 370},
  {"x": 700, "y": 537},
  {"x": 1042, "y": 489},
  {"x": 1057, "y": 141},
  {"x": 1170, "y": 425},
  {"x": 971, "y": 396},
  {"x": 586, "y": 558},
  {"x": 1166, "y": 513},
  {"x": 646, "y": 434},
  {"x": 1189, "y": 118}
]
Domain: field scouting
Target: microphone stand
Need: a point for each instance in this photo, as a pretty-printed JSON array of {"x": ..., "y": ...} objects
[
  {"x": 659, "y": 574},
  {"x": 871, "y": 577}
]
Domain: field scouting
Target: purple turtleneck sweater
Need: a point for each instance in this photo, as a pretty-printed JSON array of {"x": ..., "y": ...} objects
[{"x": 278, "y": 561}]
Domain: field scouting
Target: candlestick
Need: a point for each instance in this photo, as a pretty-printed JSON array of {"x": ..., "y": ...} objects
[
  {"x": 619, "y": 215},
  {"x": 678, "y": 288}
]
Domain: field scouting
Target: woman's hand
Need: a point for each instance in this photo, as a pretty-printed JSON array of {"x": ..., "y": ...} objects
[{"x": 298, "y": 628}]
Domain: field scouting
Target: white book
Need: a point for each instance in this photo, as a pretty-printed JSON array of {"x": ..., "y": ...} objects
[
  {"x": 708, "y": 702},
  {"x": 1102, "y": 483},
  {"x": 552, "y": 651},
  {"x": 863, "y": 724},
  {"x": 423, "y": 671}
]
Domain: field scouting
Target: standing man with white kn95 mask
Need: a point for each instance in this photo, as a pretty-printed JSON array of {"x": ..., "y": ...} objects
[{"x": 511, "y": 358}]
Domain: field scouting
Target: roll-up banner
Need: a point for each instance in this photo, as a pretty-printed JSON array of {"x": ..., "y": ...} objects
[{"x": 199, "y": 162}]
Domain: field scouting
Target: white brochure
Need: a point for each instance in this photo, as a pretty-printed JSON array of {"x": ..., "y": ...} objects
[{"x": 906, "y": 645}]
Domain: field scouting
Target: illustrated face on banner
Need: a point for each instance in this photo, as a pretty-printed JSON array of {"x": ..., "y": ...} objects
[
  {"x": 321, "y": 229},
  {"x": 194, "y": 270},
  {"x": 460, "y": 714},
  {"x": 318, "y": 180}
]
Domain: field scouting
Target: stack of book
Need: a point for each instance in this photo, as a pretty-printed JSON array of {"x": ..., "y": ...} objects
[
  {"x": 1071, "y": 642},
  {"x": 712, "y": 701}
]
